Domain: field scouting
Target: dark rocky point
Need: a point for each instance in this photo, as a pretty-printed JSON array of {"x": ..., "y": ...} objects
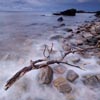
[
  {"x": 69, "y": 12},
  {"x": 97, "y": 14}
]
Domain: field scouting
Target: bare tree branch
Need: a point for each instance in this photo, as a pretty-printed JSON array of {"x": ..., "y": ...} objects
[
  {"x": 33, "y": 66},
  {"x": 46, "y": 48}
]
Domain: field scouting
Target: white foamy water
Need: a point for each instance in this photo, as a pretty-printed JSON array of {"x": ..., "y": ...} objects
[{"x": 22, "y": 38}]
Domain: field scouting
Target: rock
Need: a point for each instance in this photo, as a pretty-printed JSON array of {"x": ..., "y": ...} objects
[
  {"x": 69, "y": 12},
  {"x": 97, "y": 14},
  {"x": 68, "y": 29},
  {"x": 78, "y": 32},
  {"x": 98, "y": 76},
  {"x": 46, "y": 75},
  {"x": 75, "y": 59},
  {"x": 66, "y": 47},
  {"x": 72, "y": 76},
  {"x": 60, "y": 19},
  {"x": 59, "y": 69},
  {"x": 70, "y": 97},
  {"x": 69, "y": 36},
  {"x": 79, "y": 42},
  {"x": 61, "y": 25},
  {"x": 98, "y": 44},
  {"x": 97, "y": 29},
  {"x": 87, "y": 35},
  {"x": 91, "y": 80},
  {"x": 92, "y": 41},
  {"x": 62, "y": 85},
  {"x": 56, "y": 37}
]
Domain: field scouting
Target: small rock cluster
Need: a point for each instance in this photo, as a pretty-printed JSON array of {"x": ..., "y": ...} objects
[{"x": 62, "y": 84}]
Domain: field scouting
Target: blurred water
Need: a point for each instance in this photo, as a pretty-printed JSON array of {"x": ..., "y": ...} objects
[{"x": 22, "y": 36}]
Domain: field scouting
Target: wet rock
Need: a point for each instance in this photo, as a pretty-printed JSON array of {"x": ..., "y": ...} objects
[
  {"x": 69, "y": 35},
  {"x": 61, "y": 25},
  {"x": 70, "y": 97},
  {"x": 62, "y": 85},
  {"x": 59, "y": 69},
  {"x": 60, "y": 19},
  {"x": 56, "y": 37},
  {"x": 87, "y": 35},
  {"x": 46, "y": 75},
  {"x": 72, "y": 76},
  {"x": 68, "y": 29},
  {"x": 91, "y": 80},
  {"x": 97, "y": 29},
  {"x": 78, "y": 32},
  {"x": 92, "y": 41},
  {"x": 97, "y": 37},
  {"x": 79, "y": 42},
  {"x": 66, "y": 47},
  {"x": 98, "y": 77},
  {"x": 69, "y": 12}
]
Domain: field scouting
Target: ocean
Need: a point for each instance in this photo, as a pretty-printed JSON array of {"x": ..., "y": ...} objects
[{"x": 22, "y": 37}]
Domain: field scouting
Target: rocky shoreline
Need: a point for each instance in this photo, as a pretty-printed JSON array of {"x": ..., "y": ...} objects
[{"x": 85, "y": 36}]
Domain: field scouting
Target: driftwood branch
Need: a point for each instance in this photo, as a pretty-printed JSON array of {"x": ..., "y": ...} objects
[{"x": 33, "y": 65}]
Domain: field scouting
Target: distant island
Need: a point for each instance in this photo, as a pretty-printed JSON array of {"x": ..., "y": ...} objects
[{"x": 72, "y": 12}]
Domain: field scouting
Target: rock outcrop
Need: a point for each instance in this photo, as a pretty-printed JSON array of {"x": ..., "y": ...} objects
[
  {"x": 97, "y": 14},
  {"x": 69, "y": 12}
]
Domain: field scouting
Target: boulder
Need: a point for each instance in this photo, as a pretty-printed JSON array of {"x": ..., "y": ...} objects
[
  {"x": 46, "y": 75},
  {"x": 68, "y": 29},
  {"x": 69, "y": 12},
  {"x": 56, "y": 37},
  {"x": 78, "y": 31},
  {"x": 60, "y": 19},
  {"x": 92, "y": 41},
  {"x": 79, "y": 42},
  {"x": 92, "y": 80},
  {"x": 98, "y": 77},
  {"x": 72, "y": 76},
  {"x": 62, "y": 85},
  {"x": 97, "y": 29}
]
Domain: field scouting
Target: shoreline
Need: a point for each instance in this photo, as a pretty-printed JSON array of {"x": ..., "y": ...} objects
[{"x": 78, "y": 39}]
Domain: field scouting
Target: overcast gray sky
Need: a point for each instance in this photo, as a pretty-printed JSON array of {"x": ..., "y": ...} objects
[{"x": 48, "y": 5}]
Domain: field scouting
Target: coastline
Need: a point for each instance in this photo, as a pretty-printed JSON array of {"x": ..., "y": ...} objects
[{"x": 88, "y": 60}]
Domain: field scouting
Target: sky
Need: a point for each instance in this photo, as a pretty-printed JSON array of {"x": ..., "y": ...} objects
[{"x": 48, "y": 5}]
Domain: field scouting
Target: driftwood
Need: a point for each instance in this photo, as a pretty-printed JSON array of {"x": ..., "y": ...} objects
[{"x": 42, "y": 63}]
